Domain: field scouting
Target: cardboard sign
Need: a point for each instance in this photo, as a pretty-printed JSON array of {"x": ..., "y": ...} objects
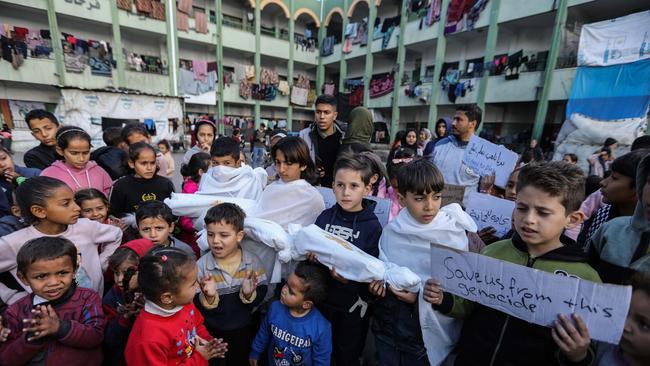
[
  {"x": 490, "y": 211},
  {"x": 452, "y": 194},
  {"x": 486, "y": 158},
  {"x": 382, "y": 209},
  {"x": 532, "y": 295}
]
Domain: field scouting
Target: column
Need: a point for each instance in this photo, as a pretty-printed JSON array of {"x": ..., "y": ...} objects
[
  {"x": 369, "y": 57},
  {"x": 56, "y": 41},
  {"x": 441, "y": 48},
  {"x": 292, "y": 48},
  {"x": 258, "y": 58},
  {"x": 542, "y": 104},
  {"x": 401, "y": 54},
  {"x": 320, "y": 70},
  {"x": 221, "y": 111},
  {"x": 172, "y": 47},
  {"x": 490, "y": 45},
  {"x": 343, "y": 64},
  {"x": 117, "y": 45}
]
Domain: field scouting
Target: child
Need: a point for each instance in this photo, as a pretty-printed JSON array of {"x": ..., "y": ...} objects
[
  {"x": 352, "y": 218},
  {"x": 634, "y": 347},
  {"x": 192, "y": 171},
  {"x": 143, "y": 185},
  {"x": 402, "y": 157},
  {"x": 291, "y": 199},
  {"x": 137, "y": 132},
  {"x": 122, "y": 303},
  {"x": 156, "y": 222},
  {"x": 59, "y": 323},
  {"x": 165, "y": 150},
  {"x": 407, "y": 330},
  {"x": 14, "y": 222},
  {"x": 112, "y": 157},
  {"x": 570, "y": 158},
  {"x": 204, "y": 133},
  {"x": 169, "y": 330},
  {"x": 43, "y": 126},
  {"x": 294, "y": 332},
  {"x": 618, "y": 192},
  {"x": 76, "y": 169},
  {"x": 10, "y": 171},
  {"x": 548, "y": 201},
  {"x": 48, "y": 205},
  {"x": 227, "y": 176},
  {"x": 233, "y": 281},
  {"x": 618, "y": 244}
]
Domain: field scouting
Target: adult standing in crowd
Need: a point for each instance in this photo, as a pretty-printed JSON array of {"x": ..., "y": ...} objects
[
  {"x": 259, "y": 146},
  {"x": 324, "y": 138},
  {"x": 536, "y": 151},
  {"x": 204, "y": 134},
  {"x": 448, "y": 152},
  {"x": 360, "y": 127},
  {"x": 442, "y": 130}
]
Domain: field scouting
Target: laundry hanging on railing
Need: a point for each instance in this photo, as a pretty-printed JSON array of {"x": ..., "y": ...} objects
[{"x": 382, "y": 84}]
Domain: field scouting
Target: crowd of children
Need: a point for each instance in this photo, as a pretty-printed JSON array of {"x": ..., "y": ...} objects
[{"x": 95, "y": 269}]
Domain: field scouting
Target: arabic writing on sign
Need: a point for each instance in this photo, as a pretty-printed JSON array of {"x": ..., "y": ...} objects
[
  {"x": 92, "y": 4},
  {"x": 490, "y": 211},
  {"x": 486, "y": 158}
]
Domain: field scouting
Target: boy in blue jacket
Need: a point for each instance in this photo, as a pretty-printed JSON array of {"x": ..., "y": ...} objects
[
  {"x": 294, "y": 332},
  {"x": 352, "y": 218}
]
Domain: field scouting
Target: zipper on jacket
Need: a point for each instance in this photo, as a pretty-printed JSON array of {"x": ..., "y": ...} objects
[{"x": 503, "y": 332}]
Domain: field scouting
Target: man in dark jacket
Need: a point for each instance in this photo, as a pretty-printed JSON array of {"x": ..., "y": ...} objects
[
  {"x": 44, "y": 126},
  {"x": 112, "y": 157}
]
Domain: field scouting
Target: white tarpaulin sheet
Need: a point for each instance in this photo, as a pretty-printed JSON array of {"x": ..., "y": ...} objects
[
  {"x": 85, "y": 109},
  {"x": 615, "y": 41}
]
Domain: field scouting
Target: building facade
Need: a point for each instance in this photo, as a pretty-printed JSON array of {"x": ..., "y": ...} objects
[{"x": 515, "y": 58}]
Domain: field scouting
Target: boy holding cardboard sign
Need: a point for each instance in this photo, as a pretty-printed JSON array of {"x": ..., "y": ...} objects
[{"x": 548, "y": 199}]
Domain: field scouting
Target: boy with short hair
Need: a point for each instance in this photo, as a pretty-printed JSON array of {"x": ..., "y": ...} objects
[
  {"x": 619, "y": 244},
  {"x": 618, "y": 194},
  {"x": 548, "y": 201},
  {"x": 408, "y": 332},
  {"x": 352, "y": 218},
  {"x": 156, "y": 222},
  {"x": 294, "y": 332},
  {"x": 58, "y": 323},
  {"x": 570, "y": 158},
  {"x": 233, "y": 282},
  {"x": 137, "y": 132},
  {"x": 112, "y": 157},
  {"x": 228, "y": 176},
  {"x": 43, "y": 126}
]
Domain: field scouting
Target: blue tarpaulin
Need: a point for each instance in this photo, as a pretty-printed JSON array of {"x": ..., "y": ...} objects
[{"x": 611, "y": 92}]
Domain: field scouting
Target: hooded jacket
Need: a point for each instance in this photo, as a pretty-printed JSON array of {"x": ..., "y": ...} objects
[
  {"x": 310, "y": 136},
  {"x": 112, "y": 160},
  {"x": 359, "y": 228},
  {"x": 621, "y": 244},
  {"x": 428, "y": 149},
  {"x": 91, "y": 176},
  {"x": 360, "y": 128},
  {"x": 489, "y": 334}
]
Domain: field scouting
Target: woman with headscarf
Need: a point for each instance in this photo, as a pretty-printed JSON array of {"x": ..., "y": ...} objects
[
  {"x": 442, "y": 130},
  {"x": 425, "y": 137},
  {"x": 409, "y": 141},
  {"x": 360, "y": 127}
]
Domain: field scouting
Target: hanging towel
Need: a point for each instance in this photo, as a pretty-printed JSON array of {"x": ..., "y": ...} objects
[
  {"x": 143, "y": 6},
  {"x": 124, "y": 4},
  {"x": 250, "y": 72},
  {"x": 200, "y": 22},
  {"x": 283, "y": 88},
  {"x": 185, "y": 6},
  {"x": 299, "y": 96},
  {"x": 200, "y": 69},
  {"x": 240, "y": 72},
  {"x": 182, "y": 22},
  {"x": 158, "y": 10}
]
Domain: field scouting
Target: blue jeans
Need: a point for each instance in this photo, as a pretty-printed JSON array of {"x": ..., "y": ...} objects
[
  {"x": 389, "y": 355},
  {"x": 257, "y": 159}
]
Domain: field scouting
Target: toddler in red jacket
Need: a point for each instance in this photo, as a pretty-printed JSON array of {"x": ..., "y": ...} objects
[
  {"x": 58, "y": 323},
  {"x": 170, "y": 330}
]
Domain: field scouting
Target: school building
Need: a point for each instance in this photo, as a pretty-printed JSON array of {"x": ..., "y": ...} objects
[{"x": 251, "y": 61}]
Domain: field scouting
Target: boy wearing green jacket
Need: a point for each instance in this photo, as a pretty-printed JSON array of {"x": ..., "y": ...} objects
[{"x": 548, "y": 202}]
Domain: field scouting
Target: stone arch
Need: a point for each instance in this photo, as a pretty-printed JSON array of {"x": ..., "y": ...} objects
[
  {"x": 356, "y": 2},
  {"x": 279, "y": 3},
  {"x": 329, "y": 16},
  {"x": 309, "y": 12}
]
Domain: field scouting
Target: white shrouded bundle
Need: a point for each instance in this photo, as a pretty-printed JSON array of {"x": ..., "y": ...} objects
[
  {"x": 244, "y": 182},
  {"x": 351, "y": 262},
  {"x": 196, "y": 205}
]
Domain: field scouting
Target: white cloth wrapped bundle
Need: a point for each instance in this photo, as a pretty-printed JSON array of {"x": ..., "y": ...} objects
[
  {"x": 296, "y": 202},
  {"x": 196, "y": 205},
  {"x": 350, "y": 262},
  {"x": 406, "y": 242},
  {"x": 242, "y": 182}
]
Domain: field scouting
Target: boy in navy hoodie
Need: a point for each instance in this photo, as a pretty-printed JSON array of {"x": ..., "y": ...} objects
[{"x": 352, "y": 218}]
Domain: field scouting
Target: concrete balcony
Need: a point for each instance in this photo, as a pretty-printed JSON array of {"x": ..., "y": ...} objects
[
  {"x": 98, "y": 11},
  {"x": 335, "y": 57},
  {"x": 405, "y": 101},
  {"x": 561, "y": 84},
  {"x": 470, "y": 97},
  {"x": 142, "y": 23},
  {"x": 231, "y": 95},
  {"x": 239, "y": 39},
  {"x": 280, "y": 101},
  {"x": 33, "y": 70},
  {"x": 385, "y": 101},
  {"x": 524, "y": 89},
  {"x": 306, "y": 57},
  {"x": 86, "y": 80},
  {"x": 192, "y": 35},
  {"x": 414, "y": 34},
  {"x": 147, "y": 82}
]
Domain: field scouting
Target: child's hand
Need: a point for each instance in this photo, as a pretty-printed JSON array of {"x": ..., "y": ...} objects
[
  {"x": 337, "y": 277},
  {"x": 488, "y": 234},
  {"x": 377, "y": 288},
  {"x": 209, "y": 288},
  {"x": 432, "y": 292},
  {"x": 311, "y": 257},
  {"x": 4, "y": 332},
  {"x": 219, "y": 346},
  {"x": 204, "y": 348},
  {"x": 118, "y": 223},
  {"x": 249, "y": 284},
  {"x": 205, "y": 147},
  {"x": 252, "y": 362},
  {"x": 44, "y": 323},
  {"x": 574, "y": 343},
  {"x": 10, "y": 176},
  {"x": 407, "y": 297}
]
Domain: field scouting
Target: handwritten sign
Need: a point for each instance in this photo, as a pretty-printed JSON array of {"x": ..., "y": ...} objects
[
  {"x": 490, "y": 211},
  {"x": 382, "y": 209},
  {"x": 532, "y": 295},
  {"x": 486, "y": 158},
  {"x": 452, "y": 194}
]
